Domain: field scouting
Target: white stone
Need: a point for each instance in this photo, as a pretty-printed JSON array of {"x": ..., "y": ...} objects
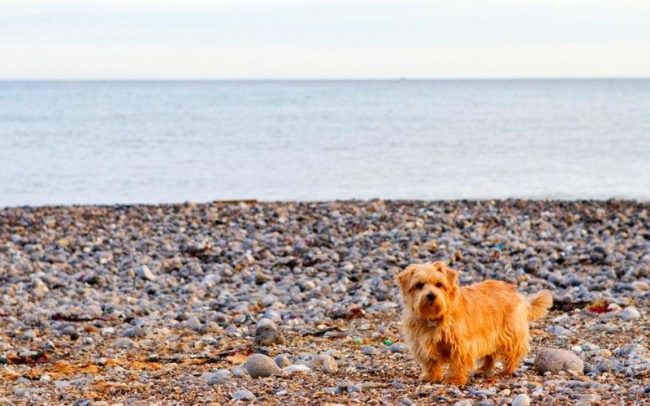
[{"x": 145, "y": 273}]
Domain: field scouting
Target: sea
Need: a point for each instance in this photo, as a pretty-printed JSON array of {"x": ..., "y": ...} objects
[{"x": 123, "y": 142}]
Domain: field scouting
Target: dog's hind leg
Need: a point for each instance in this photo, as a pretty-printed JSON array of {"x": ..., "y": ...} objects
[
  {"x": 488, "y": 364},
  {"x": 512, "y": 357}
]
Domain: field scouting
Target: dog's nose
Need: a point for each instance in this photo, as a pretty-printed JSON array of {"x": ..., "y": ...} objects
[{"x": 431, "y": 297}]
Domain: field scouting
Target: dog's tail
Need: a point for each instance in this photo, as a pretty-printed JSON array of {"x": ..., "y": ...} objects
[{"x": 538, "y": 304}]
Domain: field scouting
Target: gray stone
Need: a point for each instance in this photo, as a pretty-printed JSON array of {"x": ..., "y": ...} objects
[
  {"x": 193, "y": 323},
  {"x": 259, "y": 365},
  {"x": 282, "y": 360},
  {"x": 631, "y": 350},
  {"x": 555, "y": 360},
  {"x": 368, "y": 350},
  {"x": 124, "y": 342},
  {"x": 398, "y": 347},
  {"x": 239, "y": 372},
  {"x": 298, "y": 368},
  {"x": 70, "y": 331},
  {"x": 145, "y": 273},
  {"x": 521, "y": 400},
  {"x": 268, "y": 333},
  {"x": 218, "y": 378},
  {"x": 135, "y": 332},
  {"x": 630, "y": 313},
  {"x": 325, "y": 363},
  {"x": 559, "y": 331},
  {"x": 244, "y": 395}
]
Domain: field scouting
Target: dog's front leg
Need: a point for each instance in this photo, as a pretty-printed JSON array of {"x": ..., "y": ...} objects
[
  {"x": 459, "y": 368},
  {"x": 432, "y": 370}
]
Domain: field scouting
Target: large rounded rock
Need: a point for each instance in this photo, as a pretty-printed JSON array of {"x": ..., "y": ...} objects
[
  {"x": 268, "y": 333},
  {"x": 555, "y": 360},
  {"x": 259, "y": 366}
]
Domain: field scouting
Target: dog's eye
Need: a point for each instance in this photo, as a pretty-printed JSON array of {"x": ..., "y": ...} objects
[
  {"x": 439, "y": 285},
  {"x": 419, "y": 285}
]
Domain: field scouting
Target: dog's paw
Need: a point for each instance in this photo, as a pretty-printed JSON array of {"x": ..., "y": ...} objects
[
  {"x": 431, "y": 377},
  {"x": 456, "y": 380}
]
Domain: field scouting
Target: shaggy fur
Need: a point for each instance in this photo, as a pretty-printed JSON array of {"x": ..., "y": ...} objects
[{"x": 448, "y": 325}]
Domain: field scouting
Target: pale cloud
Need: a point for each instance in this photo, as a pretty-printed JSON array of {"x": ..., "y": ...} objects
[
  {"x": 315, "y": 3},
  {"x": 72, "y": 61},
  {"x": 323, "y": 38}
]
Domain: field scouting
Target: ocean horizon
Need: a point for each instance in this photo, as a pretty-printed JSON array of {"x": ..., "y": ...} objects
[{"x": 167, "y": 141}]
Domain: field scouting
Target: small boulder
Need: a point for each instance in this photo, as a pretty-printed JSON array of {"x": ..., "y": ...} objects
[
  {"x": 555, "y": 360},
  {"x": 260, "y": 365}
]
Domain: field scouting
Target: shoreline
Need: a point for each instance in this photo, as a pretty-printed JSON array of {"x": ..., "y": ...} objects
[
  {"x": 346, "y": 201},
  {"x": 137, "y": 304}
]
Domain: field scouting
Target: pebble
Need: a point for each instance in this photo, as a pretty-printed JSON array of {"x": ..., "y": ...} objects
[
  {"x": 70, "y": 330},
  {"x": 219, "y": 377},
  {"x": 239, "y": 372},
  {"x": 555, "y": 360},
  {"x": 521, "y": 400},
  {"x": 368, "y": 350},
  {"x": 135, "y": 332},
  {"x": 145, "y": 273},
  {"x": 282, "y": 360},
  {"x": 559, "y": 331},
  {"x": 39, "y": 289},
  {"x": 193, "y": 323},
  {"x": 398, "y": 347},
  {"x": 631, "y": 350},
  {"x": 268, "y": 333},
  {"x": 296, "y": 368},
  {"x": 630, "y": 313},
  {"x": 124, "y": 342},
  {"x": 244, "y": 395},
  {"x": 325, "y": 363},
  {"x": 260, "y": 365}
]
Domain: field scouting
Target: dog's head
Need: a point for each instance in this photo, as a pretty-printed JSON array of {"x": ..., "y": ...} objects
[{"x": 428, "y": 290}]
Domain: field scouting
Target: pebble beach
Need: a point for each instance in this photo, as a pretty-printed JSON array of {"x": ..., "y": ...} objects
[{"x": 294, "y": 303}]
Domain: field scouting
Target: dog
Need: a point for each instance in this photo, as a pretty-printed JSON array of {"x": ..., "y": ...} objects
[{"x": 445, "y": 324}]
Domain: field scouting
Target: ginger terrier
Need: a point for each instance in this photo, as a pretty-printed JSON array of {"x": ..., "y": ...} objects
[{"x": 446, "y": 324}]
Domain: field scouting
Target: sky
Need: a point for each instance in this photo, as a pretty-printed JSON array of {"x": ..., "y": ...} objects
[{"x": 302, "y": 39}]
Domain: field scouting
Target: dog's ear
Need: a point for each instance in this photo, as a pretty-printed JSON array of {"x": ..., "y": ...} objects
[
  {"x": 403, "y": 278},
  {"x": 452, "y": 276}
]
